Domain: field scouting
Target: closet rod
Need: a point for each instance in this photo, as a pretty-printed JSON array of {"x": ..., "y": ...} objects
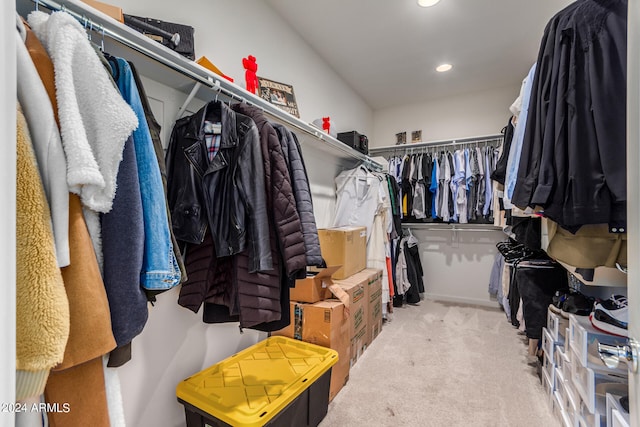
[
  {"x": 107, "y": 26},
  {"x": 431, "y": 144},
  {"x": 467, "y": 228}
]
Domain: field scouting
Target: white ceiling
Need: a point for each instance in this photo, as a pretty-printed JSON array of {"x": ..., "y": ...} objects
[{"x": 387, "y": 50}]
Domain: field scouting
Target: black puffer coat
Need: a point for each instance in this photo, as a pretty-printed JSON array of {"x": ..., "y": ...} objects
[
  {"x": 301, "y": 191},
  {"x": 281, "y": 203}
]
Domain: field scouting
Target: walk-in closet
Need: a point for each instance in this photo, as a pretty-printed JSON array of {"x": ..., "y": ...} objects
[{"x": 295, "y": 213}]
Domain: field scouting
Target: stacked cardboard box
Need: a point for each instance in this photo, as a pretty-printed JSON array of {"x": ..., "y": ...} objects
[
  {"x": 344, "y": 246},
  {"x": 374, "y": 304},
  {"x": 343, "y": 314},
  {"x": 323, "y": 323},
  {"x": 315, "y": 287},
  {"x": 355, "y": 289},
  {"x": 364, "y": 287}
]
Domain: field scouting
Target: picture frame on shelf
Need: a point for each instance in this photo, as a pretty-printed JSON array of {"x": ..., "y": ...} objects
[
  {"x": 401, "y": 138},
  {"x": 416, "y": 136},
  {"x": 279, "y": 94}
]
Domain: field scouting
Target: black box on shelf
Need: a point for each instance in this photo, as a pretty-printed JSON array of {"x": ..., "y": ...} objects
[{"x": 355, "y": 140}]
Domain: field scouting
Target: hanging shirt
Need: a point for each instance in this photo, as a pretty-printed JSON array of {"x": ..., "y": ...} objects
[
  {"x": 458, "y": 177},
  {"x": 488, "y": 161},
  {"x": 513, "y": 163},
  {"x": 446, "y": 193},
  {"x": 471, "y": 175},
  {"x": 419, "y": 200},
  {"x": 427, "y": 170},
  {"x": 358, "y": 198},
  {"x": 212, "y": 138},
  {"x": 481, "y": 183},
  {"x": 461, "y": 194},
  {"x": 433, "y": 188}
]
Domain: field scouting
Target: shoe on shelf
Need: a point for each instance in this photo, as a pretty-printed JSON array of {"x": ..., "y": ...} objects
[
  {"x": 577, "y": 304},
  {"x": 611, "y": 316},
  {"x": 558, "y": 299},
  {"x": 624, "y": 402}
]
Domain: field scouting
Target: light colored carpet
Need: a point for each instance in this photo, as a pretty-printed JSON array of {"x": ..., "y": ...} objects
[{"x": 440, "y": 364}]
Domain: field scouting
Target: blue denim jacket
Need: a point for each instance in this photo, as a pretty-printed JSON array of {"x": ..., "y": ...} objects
[{"x": 160, "y": 269}]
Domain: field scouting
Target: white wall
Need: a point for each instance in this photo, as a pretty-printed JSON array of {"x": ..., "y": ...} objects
[
  {"x": 457, "y": 264},
  {"x": 476, "y": 114},
  {"x": 227, "y": 31}
]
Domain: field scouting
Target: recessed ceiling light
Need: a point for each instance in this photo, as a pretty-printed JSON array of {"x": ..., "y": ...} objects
[
  {"x": 427, "y": 3},
  {"x": 443, "y": 67}
]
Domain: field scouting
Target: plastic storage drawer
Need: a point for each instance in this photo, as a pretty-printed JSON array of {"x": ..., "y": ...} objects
[
  {"x": 616, "y": 415},
  {"x": 573, "y": 399},
  {"x": 561, "y": 388},
  {"x": 597, "y": 418},
  {"x": 557, "y": 325},
  {"x": 548, "y": 348},
  {"x": 548, "y": 385},
  {"x": 276, "y": 382},
  {"x": 588, "y": 381},
  {"x": 583, "y": 337},
  {"x": 618, "y": 419}
]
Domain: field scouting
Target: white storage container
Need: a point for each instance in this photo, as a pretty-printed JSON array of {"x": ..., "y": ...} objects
[
  {"x": 597, "y": 418},
  {"x": 583, "y": 339},
  {"x": 548, "y": 367},
  {"x": 573, "y": 399},
  {"x": 616, "y": 415},
  {"x": 561, "y": 386},
  {"x": 593, "y": 384},
  {"x": 618, "y": 419},
  {"x": 558, "y": 408},
  {"x": 556, "y": 325},
  {"x": 548, "y": 347},
  {"x": 547, "y": 385}
]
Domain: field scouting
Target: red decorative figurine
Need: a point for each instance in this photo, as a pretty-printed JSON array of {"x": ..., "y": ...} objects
[
  {"x": 251, "y": 66},
  {"x": 326, "y": 125}
]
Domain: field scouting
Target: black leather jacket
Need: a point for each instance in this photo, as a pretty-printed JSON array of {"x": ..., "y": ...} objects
[{"x": 227, "y": 194}]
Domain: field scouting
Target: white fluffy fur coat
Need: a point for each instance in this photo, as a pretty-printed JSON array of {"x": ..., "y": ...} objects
[{"x": 95, "y": 121}]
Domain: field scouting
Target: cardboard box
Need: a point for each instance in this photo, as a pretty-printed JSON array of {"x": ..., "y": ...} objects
[
  {"x": 323, "y": 323},
  {"x": 357, "y": 315},
  {"x": 371, "y": 280},
  {"x": 374, "y": 304},
  {"x": 345, "y": 246},
  {"x": 113, "y": 11},
  {"x": 315, "y": 287},
  {"x": 206, "y": 63}
]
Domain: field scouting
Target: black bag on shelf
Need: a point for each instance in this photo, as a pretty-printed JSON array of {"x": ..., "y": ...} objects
[
  {"x": 355, "y": 140},
  {"x": 177, "y": 37}
]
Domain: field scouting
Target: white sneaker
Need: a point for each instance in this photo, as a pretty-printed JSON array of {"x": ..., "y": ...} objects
[{"x": 611, "y": 316}]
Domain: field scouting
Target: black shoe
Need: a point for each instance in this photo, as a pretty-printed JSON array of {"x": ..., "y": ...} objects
[
  {"x": 558, "y": 300},
  {"x": 624, "y": 401},
  {"x": 578, "y": 304}
]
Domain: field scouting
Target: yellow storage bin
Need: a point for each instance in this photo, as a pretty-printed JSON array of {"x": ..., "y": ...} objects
[{"x": 276, "y": 382}]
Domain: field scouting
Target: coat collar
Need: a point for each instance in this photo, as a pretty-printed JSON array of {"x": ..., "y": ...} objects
[{"x": 229, "y": 135}]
